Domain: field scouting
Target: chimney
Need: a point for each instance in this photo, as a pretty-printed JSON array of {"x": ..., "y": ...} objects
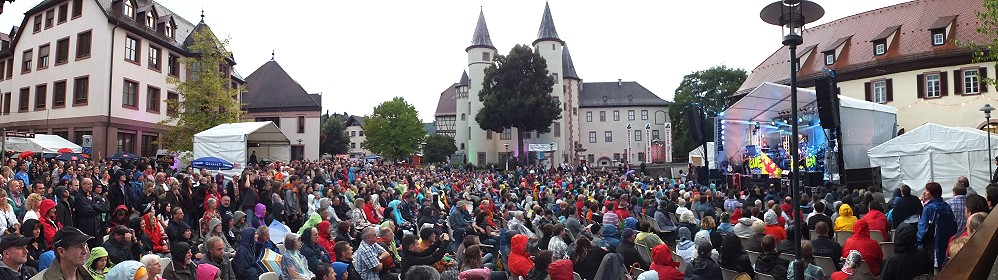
[{"x": 620, "y": 82}]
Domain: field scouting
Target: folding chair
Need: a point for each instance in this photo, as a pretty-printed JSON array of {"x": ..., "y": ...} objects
[
  {"x": 888, "y": 249},
  {"x": 760, "y": 276},
  {"x": 752, "y": 256},
  {"x": 841, "y": 236},
  {"x": 827, "y": 265}
]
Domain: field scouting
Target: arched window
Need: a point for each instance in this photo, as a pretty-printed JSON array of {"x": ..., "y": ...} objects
[{"x": 992, "y": 127}]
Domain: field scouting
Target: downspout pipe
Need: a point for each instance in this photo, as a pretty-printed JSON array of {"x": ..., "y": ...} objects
[{"x": 110, "y": 92}]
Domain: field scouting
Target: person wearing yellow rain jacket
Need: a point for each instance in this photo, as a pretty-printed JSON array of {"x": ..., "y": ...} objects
[
  {"x": 98, "y": 264},
  {"x": 846, "y": 219}
]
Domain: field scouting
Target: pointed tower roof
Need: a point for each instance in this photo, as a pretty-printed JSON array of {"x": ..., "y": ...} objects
[
  {"x": 465, "y": 81},
  {"x": 547, "y": 30},
  {"x": 567, "y": 65},
  {"x": 481, "y": 37},
  {"x": 271, "y": 89}
]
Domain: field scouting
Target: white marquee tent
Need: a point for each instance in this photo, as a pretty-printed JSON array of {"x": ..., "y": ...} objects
[
  {"x": 935, "y": 153},
  {"x": 235, "y": 141},
  {"x": 42, "y": 143}
]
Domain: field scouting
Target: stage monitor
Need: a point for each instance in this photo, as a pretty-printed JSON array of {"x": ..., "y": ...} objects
[{"x": 826, "y": 91}]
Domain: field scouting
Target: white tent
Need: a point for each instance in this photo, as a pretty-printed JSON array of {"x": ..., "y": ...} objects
[
  {"x": 42, "y": 143},
  {"x": 235, "y": 141},
  {"x": 696, "y": 155},
  {"x": 935, "y": 153},
  {"x": 864, "y": 124}
]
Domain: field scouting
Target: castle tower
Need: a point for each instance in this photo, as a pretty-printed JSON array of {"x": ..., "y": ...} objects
[
  {"x": 480, "y": 55},
  {"x": 461, "y": 116},
  {"x": 572, "y": 86},
  {"x": 549, "y": 45}
]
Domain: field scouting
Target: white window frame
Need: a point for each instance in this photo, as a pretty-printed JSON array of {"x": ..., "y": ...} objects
[
  {"x": 644, "y": 115},
  {"x": 630, "y": 115},
  {"x": 592, "y": 137},
  {"x": 938, "y": 38},
  {"x": 131, "y": 49},
  {"x": 608, "y": 136},
  {"x": 128, "y": 9},
  {"x": 829, "y": 59},
  {"x": 616, "y": 115},
  {"x": 932, "y": 86},
  {"x": 637, "y": 135},
  {"x": 150, "y": 20},
  {"x": 971, "y": 81},
  {"x": 880, "y": 48},
  {"x": 589, "y": 116},
  {"x": 880, "y": 92}
]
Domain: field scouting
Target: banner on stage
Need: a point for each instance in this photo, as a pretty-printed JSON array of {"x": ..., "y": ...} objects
[{"x": 762, "y": 163}]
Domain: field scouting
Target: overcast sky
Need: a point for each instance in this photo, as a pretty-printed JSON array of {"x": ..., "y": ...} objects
[{"x": 361, "y": 53}]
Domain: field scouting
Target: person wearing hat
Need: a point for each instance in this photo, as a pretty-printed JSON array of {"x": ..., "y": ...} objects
[
  {"x": 627, "y": 249},
  {"x": 14, "y": 252},
  {"x": 70, "y": 246},
  {"x": 123, "y": 245}
]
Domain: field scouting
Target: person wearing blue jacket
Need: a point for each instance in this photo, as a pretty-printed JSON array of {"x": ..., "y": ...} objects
[
  {"x": 938, "y": 217},
  {"x": 245, "y": 262}
]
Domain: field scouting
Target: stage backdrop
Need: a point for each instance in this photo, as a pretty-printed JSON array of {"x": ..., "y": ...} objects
[{"x": 935, "y": 153}]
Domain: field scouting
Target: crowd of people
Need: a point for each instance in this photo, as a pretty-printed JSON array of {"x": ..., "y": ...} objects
[{"x": 348, "y": 220}]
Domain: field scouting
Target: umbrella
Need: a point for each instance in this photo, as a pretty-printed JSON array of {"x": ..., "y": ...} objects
[
  {"x": 271, "y": 261},
  {"x": 211, "y": 163},
  {"x": 25, "y": 154},
  {"x": 65, "y": 150},
  {"x": 71, "y": 157},
  {"x": 123, "y": 156}
]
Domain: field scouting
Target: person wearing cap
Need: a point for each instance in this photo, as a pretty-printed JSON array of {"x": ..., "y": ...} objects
[
  {"x": 70, "y": 246},
  {"x": 123, "y": 245},
  {"x": 14, "y": 253},
  {"x": 627, "y": 249}
]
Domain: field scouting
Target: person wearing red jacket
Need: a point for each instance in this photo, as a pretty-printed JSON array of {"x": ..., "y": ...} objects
[
  {"x": 561, "y": 270},
  {"x": 519, "y": 260},
  {"x": 49, "y": 224},
  {"x": 876, "y": 220},
  {"x": 662, "y": 262},
  {"x": 326, "y": 239},
  {"x": 868, "y": 248},
  {"x": 155, "y": 232}
]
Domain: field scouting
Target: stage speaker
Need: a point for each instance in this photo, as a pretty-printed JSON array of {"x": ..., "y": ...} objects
[
  {"x": 862, "y": 178},
  {"x": 813, "y": 179},
  {"x": 827, "y": 94},
  {"x": 695, "y": 117}
]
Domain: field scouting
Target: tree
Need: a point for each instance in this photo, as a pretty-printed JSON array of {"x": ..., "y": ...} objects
[
  {"x": 394, "y": 130},
  {"x": 333, "y": 139},
  {"x": 516, "y": 93},
  {"x": 710, "y": 88},
  {"x": 438, "y": 148},
  {"x": 988, "y": 28},
  {"x": 207, "y": 100}
]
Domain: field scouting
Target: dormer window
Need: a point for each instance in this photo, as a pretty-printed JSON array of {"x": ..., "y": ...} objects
[
  {"x": 829, "y": 58},
  {"x": 150, "y": 20},
  {"x": 940, "y": 29},
  {"x": 879, "y": 47},
  {"x": 168, "y": 30},
  {"x": 938, "y": 37},
  {"x": 129, "y": 9}
]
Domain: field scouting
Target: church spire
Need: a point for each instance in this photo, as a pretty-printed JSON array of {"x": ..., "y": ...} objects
[
  {"x": 481, "y": 37},
  {"x": 547, "y": 30},
  {"x": 567, "y": 65}
]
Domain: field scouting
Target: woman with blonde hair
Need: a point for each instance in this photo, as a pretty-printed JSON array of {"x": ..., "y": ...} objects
[
  {"x": 8, "y": 220},
  {"x": 31, "y": 206}
]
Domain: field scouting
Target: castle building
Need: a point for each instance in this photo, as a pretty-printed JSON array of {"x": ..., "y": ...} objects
[
  {"x": 572, "y": 139},
  {"x": 96, "y": 70}
]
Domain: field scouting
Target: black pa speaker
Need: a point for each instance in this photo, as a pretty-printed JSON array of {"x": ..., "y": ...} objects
[
  {"x": 695, "y": 117},
  {"x": 813, "y": 179},
  {"x": 826, "y": 92}
]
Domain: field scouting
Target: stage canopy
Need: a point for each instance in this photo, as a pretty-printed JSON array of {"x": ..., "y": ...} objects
[
  {"x": 235, "y": 141},
  {"x": 42, "y": 143},
  {"x": 935, "y": 153},
  {"x": 864, "y": 124}
]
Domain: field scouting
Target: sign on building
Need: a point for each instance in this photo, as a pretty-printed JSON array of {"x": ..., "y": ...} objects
[{"x": 542, "y": 147}]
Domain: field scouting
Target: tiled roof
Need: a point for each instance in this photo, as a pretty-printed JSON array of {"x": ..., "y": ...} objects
[
  {"x": 447, "y": 105},
  {"x": 481, "y": 37},
  {"x": 547, "y": 30},
  {"x": 618, "y": 94},
  {"x": 912, "y": 42},
  {"x": 354, "y": 120},
  {"x": 270, "y": 87},
  {"x": 317, "y": 98},
  {"x": 567, "y": 65}
]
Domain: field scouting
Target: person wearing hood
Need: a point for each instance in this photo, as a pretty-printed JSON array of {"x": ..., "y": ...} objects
[
  {"x": 703, "y": 266},
  {"x": 685, "y": 248},
  {"x": 98, "y": 264},
  {"x": 182, "y": 266},
  {"x": 313, "y": 220},
  {"x": 519, "y": 260},
  {"x": 628, "y": 251},
  {"x": 850, "y": 268},
  {"x": 845, "y": 220},
  {"x": 215, "y": 255},
  {"x": 236, "y": 226},
  {"x": 326, "y": 238},
  {"x": 64, "y": 208},
  {"x": 311, "y": 250},
  {"x": 662, "y": 262},
  {"x": 207, "y": 272},
  {"x": 49, "y": 224},
  {"x": 876, "y": 219},
  {"x": 743, "y": 226},
  {"x": 122, "y": 245},
  {"x": 258, "y": 219},
  {"x": 733, "y": 257},
  {"x": 560, "y": 270},
  {"x": 773, "y": 227},
  {"x": 869, "y": 248},
  {"x": 908, "y": 261},
  {"x": 611, "y": 268},
  {"x": 129, "y": 270},
  {"x": 33, "y": 229},
  {"x": 769, "y": 262},
  {"x": 215, "y": 230},
  {"x": 611, "y": 238}
]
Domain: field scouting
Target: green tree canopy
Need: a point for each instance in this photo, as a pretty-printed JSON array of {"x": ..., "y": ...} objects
[
  {"x": 710, "y": 88},
  {"x": 207, "y": 99},
  {"x": 438, "y": 148},
  {"x": 394, "y": 130},
  {"x": 516, "y": 93},
  {"x": 333, "y": 139},
  {"x": 988, "y": 27}
]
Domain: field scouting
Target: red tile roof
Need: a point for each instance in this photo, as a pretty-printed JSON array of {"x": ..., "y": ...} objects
[{"x": 912, "y": 41}]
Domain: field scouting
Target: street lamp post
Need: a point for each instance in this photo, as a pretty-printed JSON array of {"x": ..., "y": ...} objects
[
  {"x": 506, "y": 158},
  {"x": 627, "y": 155},
  {"x": 987, "y": 126},
  {"x": 552, "y": 154},
  {"x": 792, "y": 15}
]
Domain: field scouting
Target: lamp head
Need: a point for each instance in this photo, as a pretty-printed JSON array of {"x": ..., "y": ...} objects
[
  {"x": 987, "y": 109},
  {"x": 792, "y": 15}
]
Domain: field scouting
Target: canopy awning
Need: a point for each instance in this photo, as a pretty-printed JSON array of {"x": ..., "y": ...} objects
[{"x": 42, "y": 143}]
